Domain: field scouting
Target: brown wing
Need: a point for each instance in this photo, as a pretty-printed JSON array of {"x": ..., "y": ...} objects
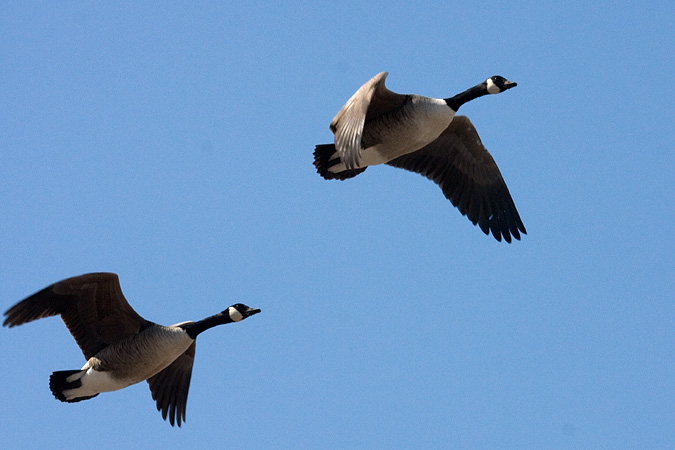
[
  {"x": 170, "y": 387},
  {"x": 92, "y": 307},
  {"x": 459, "y": 163},
  {"x": 371, "y": 100}
]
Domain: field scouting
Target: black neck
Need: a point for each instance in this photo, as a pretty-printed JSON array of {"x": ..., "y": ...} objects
[
  {"x": 466, "y": 96},
  {"x": 194, "y": 329}
]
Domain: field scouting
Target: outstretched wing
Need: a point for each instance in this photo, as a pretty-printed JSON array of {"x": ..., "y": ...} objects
[
  {"x": 459, "y": 163},
  {"x": 170, "y": 387},
  {"x": 92, "y": 307},
  {"x": 371, "y": 100}
]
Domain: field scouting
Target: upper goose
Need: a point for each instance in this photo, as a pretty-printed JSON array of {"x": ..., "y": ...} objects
[
  {"x": 121, "y": 347},
  {"x": 419, "y": 134}
]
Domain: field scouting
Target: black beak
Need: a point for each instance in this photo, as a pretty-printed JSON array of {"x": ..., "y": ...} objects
[
  {"x": 251, "y": 311},
  {"x": 509, "y": 84}
]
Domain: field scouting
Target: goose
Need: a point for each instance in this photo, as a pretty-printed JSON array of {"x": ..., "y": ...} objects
[
  {"x": 121, "y": 347},
  {"x": 423, "y": 135}
]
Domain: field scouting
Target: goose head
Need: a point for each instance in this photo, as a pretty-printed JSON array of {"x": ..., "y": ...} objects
[
  {"x": 497, "y": 84},
  {"x": 239, "y": 312}
]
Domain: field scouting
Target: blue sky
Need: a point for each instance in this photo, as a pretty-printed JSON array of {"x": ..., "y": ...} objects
[{"x": 173, "y": 146}]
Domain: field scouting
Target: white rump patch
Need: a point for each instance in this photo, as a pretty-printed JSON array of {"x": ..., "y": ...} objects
[{"x": 93, "y": 382}]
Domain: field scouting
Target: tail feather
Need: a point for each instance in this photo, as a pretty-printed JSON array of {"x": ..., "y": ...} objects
[
  {"x": 58, "y": 382},
  {"x": 325, "y": 157}
]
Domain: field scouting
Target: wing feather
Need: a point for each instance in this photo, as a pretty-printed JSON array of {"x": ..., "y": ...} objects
[
  {"x": 170, "y": 387},
  {"x": 92, "y": 306},
  {"x": 369, "y": 101},
  {"x": 469, "y": 177}
]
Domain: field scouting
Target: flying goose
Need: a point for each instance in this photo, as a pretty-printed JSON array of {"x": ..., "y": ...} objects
[
  {"x": 121, "y": 347},
  {"x": 419, "y": 134}
]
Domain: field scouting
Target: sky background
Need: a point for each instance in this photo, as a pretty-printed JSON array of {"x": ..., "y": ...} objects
[{"x": 173, "y": 146}]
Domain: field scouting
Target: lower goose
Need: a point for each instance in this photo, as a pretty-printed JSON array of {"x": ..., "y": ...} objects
[
  {"x": 121, "y": 347},
  {"x": 423, "y": 135}
]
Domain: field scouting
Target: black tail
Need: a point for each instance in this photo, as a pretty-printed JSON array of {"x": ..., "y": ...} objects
[
  {"x": 324, "y": 160},
  {"x": 58, "y": 383}
]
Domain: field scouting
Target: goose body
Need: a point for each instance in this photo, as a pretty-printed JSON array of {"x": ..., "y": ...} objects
[
  {"x": 423, "y": 135},
  {"x": 120, "y": 347},
  {"x": 129, "y": 361}
]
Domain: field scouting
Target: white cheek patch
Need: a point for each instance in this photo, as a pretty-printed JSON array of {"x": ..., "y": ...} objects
[
  {"x": 492, "y": 88},
  {"x": 235, "y": 315}
]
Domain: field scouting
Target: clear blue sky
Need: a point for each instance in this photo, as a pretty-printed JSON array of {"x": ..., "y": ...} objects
[{"x": 173, "y": 146}]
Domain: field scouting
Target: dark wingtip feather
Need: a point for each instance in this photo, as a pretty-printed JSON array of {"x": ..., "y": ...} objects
[{"x": 37, "y": 306}]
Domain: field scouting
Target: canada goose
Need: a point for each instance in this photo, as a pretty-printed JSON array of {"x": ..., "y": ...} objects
[
  {"x": 121, "y": 347},
  {"x": 419, "y": 134}
]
